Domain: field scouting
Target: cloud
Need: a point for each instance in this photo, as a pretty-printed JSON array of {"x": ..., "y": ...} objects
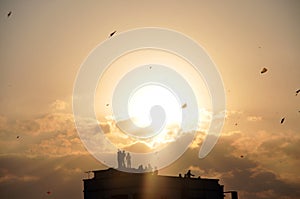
[
  {"x": 7, "y": 177},
  {"x": 59, "y": 105},
  {"x": 256, "y": 162},
  {"x": 106, "y": 127},
  {"x": 254, "y": 118},
  {"x": 123, "y": 140},
  {"x": 60, "y": 145},
  {"x": 54, "y": 122},
  {"x": 138, "y": 148},
  {"x": 24, "y": 177},
  {"x": 198, "y": 139},
  {"x": 50, "y": 134},
  {"x": 255, "y": 175},
  {"x": 233, "y": 113}
]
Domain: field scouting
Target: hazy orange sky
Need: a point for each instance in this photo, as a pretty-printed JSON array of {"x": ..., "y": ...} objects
[{"x": 43, "y": 44}]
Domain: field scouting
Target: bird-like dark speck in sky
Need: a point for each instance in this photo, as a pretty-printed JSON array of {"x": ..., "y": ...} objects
[
  {"x": 184, "y": 105},
  {"x": 111, "y": 34},
  {"x": 297, "y": 91},
  {"x": 9, "y": 13},
  {"x": 263, "y": 70},
  {"x": 282, "y": 120}
]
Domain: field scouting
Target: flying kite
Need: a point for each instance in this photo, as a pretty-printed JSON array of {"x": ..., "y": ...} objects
[
  {"x": 9, "y": 13},
  {"x": 111, "y": 34},
  {"x": 282, "y": 120},
  {"x": 263, "y": 70}
]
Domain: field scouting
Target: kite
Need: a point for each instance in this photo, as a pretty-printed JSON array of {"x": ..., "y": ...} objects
[
  {"x": 263, "y": 70},
  {"x": 9, "y": 13},
  {"x": 111, "y": 34}
]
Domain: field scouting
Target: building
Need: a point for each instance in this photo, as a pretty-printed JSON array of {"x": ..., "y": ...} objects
[{"x": 115, "y": 184}]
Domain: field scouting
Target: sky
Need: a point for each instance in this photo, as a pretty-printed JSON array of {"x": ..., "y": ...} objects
[{"x": 44, "y": 43}]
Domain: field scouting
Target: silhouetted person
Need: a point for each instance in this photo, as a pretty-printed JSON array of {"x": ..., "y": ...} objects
[
  {"x": 189, "y": 174},
  {"x": 141, "y": 168},
  {"x": 119, "y": 159},
  {"x": 128, "y": 160},
  {"x": 180, "y": 176},
  {"x": 123, "y": 154}
]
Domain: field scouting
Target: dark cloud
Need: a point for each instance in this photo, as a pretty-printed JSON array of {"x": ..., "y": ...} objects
[
  {"x": 292, "y": 149},
  {"x": 61, "y": 176},
  {"x": 245, "y": 175},
  {"x": 288, "y": 146}
]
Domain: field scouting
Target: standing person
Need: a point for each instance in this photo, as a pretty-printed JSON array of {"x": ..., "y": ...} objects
[
  {"x": 128, "y": 160},
  {"x": 119, "y": 158},
  {"x": 123, "y": 159},
  {"x": 189, "y": 174}
]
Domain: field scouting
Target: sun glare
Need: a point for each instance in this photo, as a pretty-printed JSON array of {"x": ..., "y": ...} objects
[
  {"x": 147, "y": 96},
  {"x": 151, "y": 94}
]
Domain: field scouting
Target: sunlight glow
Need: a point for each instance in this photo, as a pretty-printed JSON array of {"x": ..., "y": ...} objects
[{"x": 147, "y": 96}]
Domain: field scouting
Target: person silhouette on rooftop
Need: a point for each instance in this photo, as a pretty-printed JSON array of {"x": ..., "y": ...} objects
[
  {"x": 119, "y": 159},
  {"x": 128, "y": 160},
  {"x": 189, "y": 174},
  {"x": 123, "y": 154}
]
